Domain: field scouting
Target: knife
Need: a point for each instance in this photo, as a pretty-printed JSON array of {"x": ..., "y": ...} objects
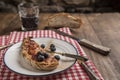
[
  {"x": 5, "y": 46},
  {"x": 89, "y": 72},
  {"x": 98, "y": 48},
  {"x": 82, "y": 58}
]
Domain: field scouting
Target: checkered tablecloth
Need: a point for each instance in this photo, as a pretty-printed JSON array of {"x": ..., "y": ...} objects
[{"x": 76, "y": 72}]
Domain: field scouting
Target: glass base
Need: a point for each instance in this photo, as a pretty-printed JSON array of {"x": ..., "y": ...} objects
[{"x": 28, "y": 29}]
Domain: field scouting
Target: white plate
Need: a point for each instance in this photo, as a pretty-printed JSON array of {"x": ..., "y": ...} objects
[{"x": 13, "y": 61}]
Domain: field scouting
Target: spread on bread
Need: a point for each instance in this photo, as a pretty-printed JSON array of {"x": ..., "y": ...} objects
[{"x": 36, "y": 55}]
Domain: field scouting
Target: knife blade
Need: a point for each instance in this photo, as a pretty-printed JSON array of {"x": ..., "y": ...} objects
[
  {"x": 98, "y": 48},
  {"x": 82, "y": 58},
  {"x": 5, "y": 46}
]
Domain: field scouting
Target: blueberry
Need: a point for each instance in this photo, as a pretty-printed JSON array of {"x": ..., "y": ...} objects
[
  {"x": 45, "y": 55},
  {"x": 53, "y": 49},
  {"x": 39, "y": 53},
  {"x": 42, "y": 45},
  {"x": 40, "y": 58},
  {"x": 57, "y": 57},
  {"x": 52, "y": 45}
]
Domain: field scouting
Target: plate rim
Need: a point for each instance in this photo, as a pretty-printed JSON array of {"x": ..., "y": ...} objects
[{"x": 43, "y": 74}]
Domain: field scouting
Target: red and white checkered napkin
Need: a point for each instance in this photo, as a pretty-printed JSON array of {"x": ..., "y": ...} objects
[
  {"x": 74, "y": 73},
  {"x": 3, "y": 41}
]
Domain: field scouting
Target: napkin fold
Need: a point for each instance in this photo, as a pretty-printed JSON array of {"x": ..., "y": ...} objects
[{"x": 74, "y": 73}]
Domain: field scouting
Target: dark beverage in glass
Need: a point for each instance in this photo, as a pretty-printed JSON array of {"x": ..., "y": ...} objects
[
  {"x": 29, "y": 23},
  {"x": 29, "y": 13}
]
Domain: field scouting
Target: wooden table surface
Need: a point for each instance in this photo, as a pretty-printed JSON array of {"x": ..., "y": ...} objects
[{"x": 100, "y": 28}]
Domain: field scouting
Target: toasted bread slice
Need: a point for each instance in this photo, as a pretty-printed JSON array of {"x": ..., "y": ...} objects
[
  {"x": 61, "y": 20},
  {"x": 29, "y": 50},
  {"x": 64, "y": 20}
]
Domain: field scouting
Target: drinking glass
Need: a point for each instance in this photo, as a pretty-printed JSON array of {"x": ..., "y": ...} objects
[{"x": 29, "y": 15}]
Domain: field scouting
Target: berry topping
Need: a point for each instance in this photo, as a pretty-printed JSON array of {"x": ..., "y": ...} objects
[
  {"x": 42, "y": 46},
  {"x": 52, "y": 45},
  {"x": 39, "y": 53},
  {"x": 45, "y": 55},
  {"x": 40, "y": 58},
  {"x": 57, "y": 57},
  {"x": 53, "y": 49}
]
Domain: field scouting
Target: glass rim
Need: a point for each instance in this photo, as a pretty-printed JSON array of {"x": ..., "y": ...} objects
[{"x": 27, "y": 5}]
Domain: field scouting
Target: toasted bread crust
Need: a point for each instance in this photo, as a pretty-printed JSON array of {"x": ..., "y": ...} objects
[
  {"x": 61, "y": 20},
  {"x": 64, "y": 20},
  {"x": 27, "y": 53}
]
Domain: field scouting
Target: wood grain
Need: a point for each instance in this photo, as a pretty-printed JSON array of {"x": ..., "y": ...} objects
[
  {"x": 106, "y": 27},
  {"x": 100, "y": 28}
]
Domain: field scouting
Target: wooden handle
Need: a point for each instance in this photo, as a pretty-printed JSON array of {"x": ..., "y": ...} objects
[
  {"x": 98, "y": 48},
  {"x": 89, "y": 72}
]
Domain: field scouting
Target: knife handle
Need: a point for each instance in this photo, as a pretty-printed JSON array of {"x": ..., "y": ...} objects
[
  {"x": 89, "y": 72},
  {"x": 98, "y": 48}
]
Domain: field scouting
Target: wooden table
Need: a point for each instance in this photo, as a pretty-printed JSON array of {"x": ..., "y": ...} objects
[{"x": 101, "y": 28}]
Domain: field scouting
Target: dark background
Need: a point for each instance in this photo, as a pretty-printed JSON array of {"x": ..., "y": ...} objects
[{"x": 77, "y": 6}]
